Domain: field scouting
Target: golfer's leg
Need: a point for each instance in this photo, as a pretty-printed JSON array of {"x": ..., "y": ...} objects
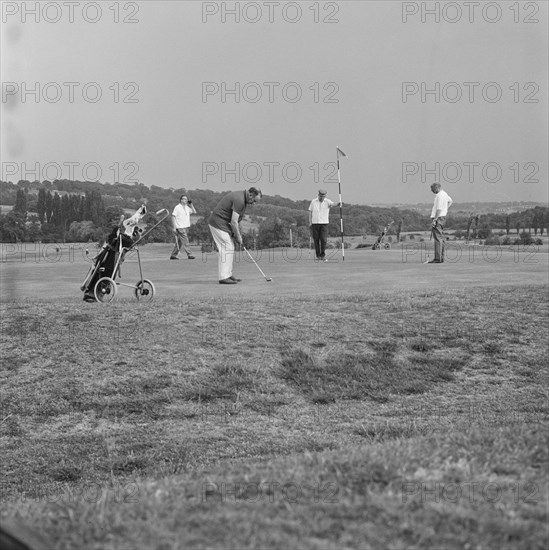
[
  {"x": 225, "y": 248},
  {"x": 185, "y": 241},
  {"x": 323, "y": 239},
  {"x": 442, "y": 222},
  {"x": 316, "y": 239},
  {"x": 228, "y": 259},
  {"x": 218, "y": 238},
  {"x": 437, "y": 235},
  {"x": 175, "y": 250}
]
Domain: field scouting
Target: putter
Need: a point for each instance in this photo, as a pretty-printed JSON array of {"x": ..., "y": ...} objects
[{"x": 268, "y": 279}]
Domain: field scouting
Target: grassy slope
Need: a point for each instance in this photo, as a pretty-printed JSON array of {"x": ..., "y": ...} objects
[{"x": 349, "y": 394}]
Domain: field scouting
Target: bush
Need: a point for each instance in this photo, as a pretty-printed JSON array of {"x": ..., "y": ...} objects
[
  {"x": 506, "y": 240},
  {"x": 484, "y": 231},
  {"x": 347, "y": 244},
  {"x": 526, "y": 238},
  {"x": 516, "y": 241},
  {"x": 539, "y": 242},
  {"x": 493, "y": 240}
]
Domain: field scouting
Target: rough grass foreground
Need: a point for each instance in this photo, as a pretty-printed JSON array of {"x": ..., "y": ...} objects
[{"x": 387, "y": 421}]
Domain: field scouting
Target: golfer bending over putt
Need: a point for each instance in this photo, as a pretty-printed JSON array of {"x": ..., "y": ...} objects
[{"x": 223, "y": 223}]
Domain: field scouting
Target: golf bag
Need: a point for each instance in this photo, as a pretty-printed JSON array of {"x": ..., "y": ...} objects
[
  {"x": 378, "y": 244},
  {"x": 107, "y": 263}
]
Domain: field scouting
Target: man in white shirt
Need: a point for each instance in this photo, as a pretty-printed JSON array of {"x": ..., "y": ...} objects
[
  {"x": 181, "y": 221},
  {"x": 319, "y": 212},
  {"x": 439, "y": 212}
]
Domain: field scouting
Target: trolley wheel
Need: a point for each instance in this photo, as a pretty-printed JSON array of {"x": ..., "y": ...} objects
[
  {"x": 144, "y": 291},
  {"x": 387, "y": 246},
  {"x": 105, "y": 290},
  {"x": 376, "y": 246}
]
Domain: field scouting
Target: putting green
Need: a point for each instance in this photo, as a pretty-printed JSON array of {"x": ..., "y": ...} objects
[{"x": 47, "y": 274}]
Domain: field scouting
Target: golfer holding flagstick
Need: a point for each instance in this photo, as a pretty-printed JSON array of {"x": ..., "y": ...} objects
[{"x": 319, "y": 212}]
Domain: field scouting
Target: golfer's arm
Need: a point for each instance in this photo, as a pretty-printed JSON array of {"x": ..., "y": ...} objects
[
  {"x": 234, "y": 226},
  {"x": 310, "y": 218},
  {"x": 173, "y": 222},
  {"x": 193, "y": 209}
]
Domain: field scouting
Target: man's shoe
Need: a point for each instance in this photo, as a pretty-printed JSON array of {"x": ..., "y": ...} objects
[
  {"x": 174, "y": 258},
  {"x": 235, "y": 279},
  {"x": 435, "y": 262},
  {"x": 227, "y": 282},
  {"x": 190, "y": 257}
]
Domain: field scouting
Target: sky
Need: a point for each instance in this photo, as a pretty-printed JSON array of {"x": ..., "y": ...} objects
[{"x": 182, "y": 94}]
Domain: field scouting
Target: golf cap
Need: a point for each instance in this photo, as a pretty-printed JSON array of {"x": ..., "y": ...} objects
[{"x": 322, "y": 193}]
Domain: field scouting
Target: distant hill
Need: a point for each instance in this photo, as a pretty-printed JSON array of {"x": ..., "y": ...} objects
[
  {"x": 469, "y": 207},
  {"x": 77, "y": 200}
]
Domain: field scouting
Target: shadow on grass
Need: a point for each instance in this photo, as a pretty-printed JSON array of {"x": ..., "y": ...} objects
[{"x": 360, "y": 376}]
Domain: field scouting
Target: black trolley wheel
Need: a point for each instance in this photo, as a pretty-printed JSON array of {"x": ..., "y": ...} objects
[
  {"x": 144, "y": 290},
  {"x": 105, "y": 290}
]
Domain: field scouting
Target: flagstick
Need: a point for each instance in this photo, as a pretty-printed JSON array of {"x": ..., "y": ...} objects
[{"x": 340, "y": 205}]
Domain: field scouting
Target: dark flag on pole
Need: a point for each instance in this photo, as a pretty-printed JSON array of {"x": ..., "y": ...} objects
[{"x": 340, "y": 152}]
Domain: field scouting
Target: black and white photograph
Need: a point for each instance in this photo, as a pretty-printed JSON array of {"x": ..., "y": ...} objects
[{"x": 274, "y": 275}]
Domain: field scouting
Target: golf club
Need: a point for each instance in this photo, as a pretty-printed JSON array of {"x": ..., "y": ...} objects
[{"x": 268, "y": 279}]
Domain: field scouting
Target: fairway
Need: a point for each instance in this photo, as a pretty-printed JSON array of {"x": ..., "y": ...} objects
[{"x": 313, "y": 411}]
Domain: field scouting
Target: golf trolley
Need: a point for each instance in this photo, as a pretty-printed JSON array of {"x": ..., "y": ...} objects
[
  {"x": 100, "y": 283},
  {"x": 379, "y": 243}
]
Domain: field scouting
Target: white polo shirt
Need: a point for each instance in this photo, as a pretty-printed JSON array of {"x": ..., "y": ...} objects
[
  {"x": 182, "y": 214},
  {"x": 442, "y": 202},
  {"x": 320, "y": 210}
]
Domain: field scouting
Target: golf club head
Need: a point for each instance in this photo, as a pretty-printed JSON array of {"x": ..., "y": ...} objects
[
  {"x": 161, "y": 210},
  {"x": 268, "y": 279}
]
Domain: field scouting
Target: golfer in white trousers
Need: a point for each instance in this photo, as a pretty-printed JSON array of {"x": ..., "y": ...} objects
[{"x": 224, "y": 228}]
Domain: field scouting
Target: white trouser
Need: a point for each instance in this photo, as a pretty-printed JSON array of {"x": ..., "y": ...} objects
[{"x": 225, "y": 247}]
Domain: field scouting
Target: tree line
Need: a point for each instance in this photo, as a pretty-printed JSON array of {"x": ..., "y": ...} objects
[{"x": 83, "y": 211}]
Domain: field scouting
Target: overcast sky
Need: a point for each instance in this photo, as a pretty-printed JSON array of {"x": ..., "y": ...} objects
[{"x": 309, "y": 76}]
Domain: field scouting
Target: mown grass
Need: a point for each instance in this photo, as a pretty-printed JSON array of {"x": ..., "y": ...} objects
[{"x": 363, "y": 393}]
